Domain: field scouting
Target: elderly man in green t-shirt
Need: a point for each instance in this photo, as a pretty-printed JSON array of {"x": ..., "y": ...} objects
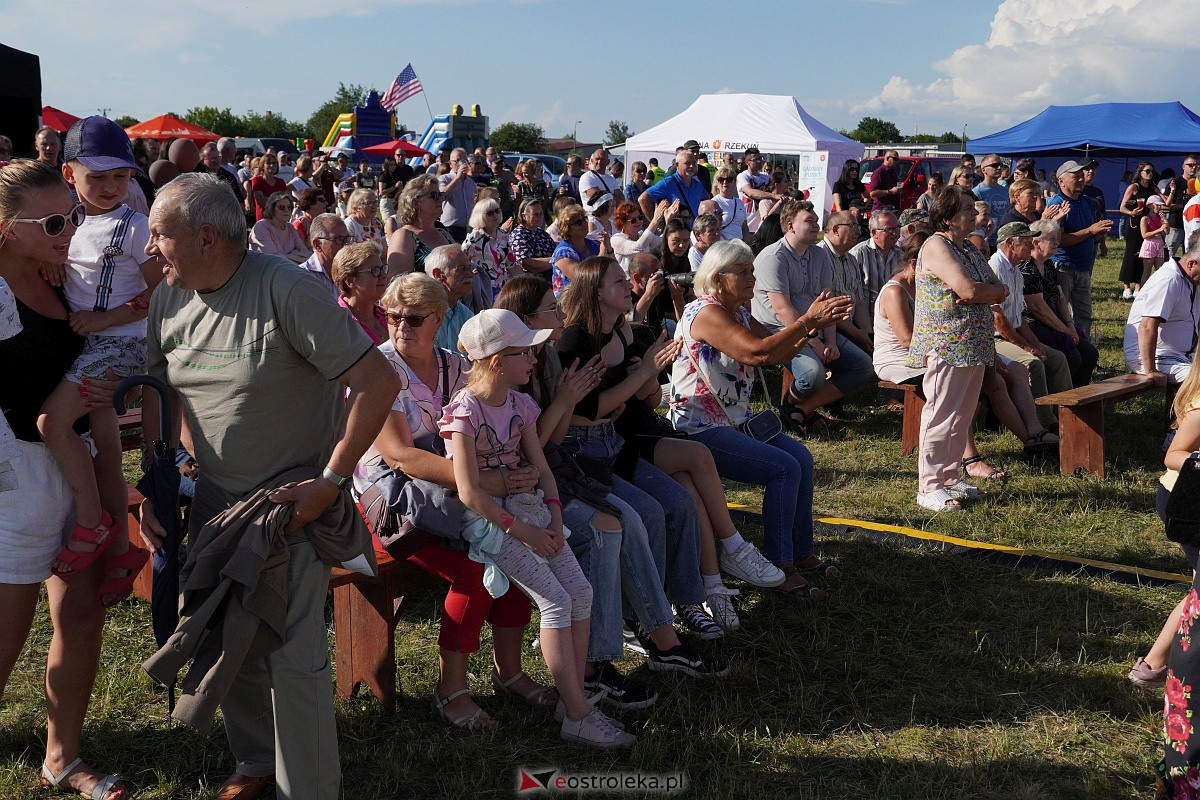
[{"x": 261, "y": 358}]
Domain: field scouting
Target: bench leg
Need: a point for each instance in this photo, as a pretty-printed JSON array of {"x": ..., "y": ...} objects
[
  {"x": 1081, "y": 439},
  {"x": 910, "y": 433},
  {"x": 365, "y": 651}
]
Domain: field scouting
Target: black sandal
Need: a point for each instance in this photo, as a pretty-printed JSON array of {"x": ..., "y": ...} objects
[
  {"x": 803, "y": 590},
  {"x": 1037, "y": 443},
  {"x": 787, "y": 415},
  {"x": 995, "y": 474},
  {"x": 825, "y": 569}
]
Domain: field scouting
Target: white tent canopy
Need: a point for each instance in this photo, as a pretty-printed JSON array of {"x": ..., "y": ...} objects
[{"x": 776, "y": 124}]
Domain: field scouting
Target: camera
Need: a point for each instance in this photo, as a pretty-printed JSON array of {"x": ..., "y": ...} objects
[{"x": 684, "y": 279}]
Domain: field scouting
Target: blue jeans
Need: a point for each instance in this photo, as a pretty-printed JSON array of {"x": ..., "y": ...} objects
[
  {"x": 784, "y": 467},
  {"x": 666, "y": 509},
  {"x": 851, "y": 370},
  {"x": 616, "y": 561}
]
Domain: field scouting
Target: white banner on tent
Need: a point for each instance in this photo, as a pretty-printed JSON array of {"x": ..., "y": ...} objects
[{"x": 812, "y": 176}]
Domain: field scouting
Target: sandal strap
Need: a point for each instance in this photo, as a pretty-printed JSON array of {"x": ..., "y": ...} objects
[
  {"x": 442, "y": 702},
  {"x": 508, "y": 683},
  {"x": 104, "y": 786},
  {"x": 468, "y": 721},
  {"x": 101, "y": 788},
  {"x": 56, "y": 780},
  {"x": 542, "y": 696}
]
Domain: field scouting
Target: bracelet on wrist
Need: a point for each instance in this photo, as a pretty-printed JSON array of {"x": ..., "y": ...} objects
[
  {"x": 554, "y": 501},
  {"x": 507, "y": 522}
]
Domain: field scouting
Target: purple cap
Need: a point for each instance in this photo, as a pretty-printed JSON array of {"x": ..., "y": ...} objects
[{"x": 100, "y": 145}]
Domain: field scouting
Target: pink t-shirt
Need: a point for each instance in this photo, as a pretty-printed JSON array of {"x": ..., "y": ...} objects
[{"x": 496, "y": 429}]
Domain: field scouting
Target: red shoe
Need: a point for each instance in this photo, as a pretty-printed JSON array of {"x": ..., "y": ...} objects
[
  {"x": 79, "y": 560},
  {"x": 118, "y": 588}
]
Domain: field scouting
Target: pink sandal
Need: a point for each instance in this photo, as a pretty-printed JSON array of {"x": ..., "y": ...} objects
[
  {"x": 130, "y": 562},
  {"x": 79, "y": 560}
]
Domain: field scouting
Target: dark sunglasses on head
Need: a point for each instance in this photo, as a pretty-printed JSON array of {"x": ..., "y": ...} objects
[
  {"x": 413, "y": 320},
  {"x": 54, "y": 224}
]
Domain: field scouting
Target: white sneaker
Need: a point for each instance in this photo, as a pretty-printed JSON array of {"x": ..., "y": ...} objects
[
  {"x": 560, "y": 710},
  {"x": 749, "y": 565},
  {"x": 596, "y": 730},
  {"x": 719, "y": 606},
  {"x": 1127, "y": 294},
  {"x": 965, "y": 491}
]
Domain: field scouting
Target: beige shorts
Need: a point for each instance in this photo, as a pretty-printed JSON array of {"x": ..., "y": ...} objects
[{"x": 36, "y": 512}]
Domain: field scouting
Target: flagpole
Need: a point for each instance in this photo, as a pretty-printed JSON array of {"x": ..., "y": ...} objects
[{"x": 425, "y": 95}]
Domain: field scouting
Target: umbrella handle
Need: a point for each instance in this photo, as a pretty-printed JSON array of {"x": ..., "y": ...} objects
[{"x": 164, "y": 396}]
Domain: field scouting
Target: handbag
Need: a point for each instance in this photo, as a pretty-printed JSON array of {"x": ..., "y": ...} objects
[
  {"x": 407, "y": 513},
  {"x": 764, "y": 425},
  {"x": 1183, "y": 505}
]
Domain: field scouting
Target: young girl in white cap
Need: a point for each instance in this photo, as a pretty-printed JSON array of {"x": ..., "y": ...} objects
[{"x": 489, "y": 425}]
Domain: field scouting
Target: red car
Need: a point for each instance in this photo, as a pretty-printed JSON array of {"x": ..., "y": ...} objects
[{"x": 913, "y": 172}]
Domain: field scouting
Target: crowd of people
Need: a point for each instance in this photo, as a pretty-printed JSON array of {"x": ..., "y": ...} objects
[{"x": 488, "y": 387}]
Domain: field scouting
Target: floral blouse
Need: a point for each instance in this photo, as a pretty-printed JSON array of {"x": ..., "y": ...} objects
[
  {"x": 960, "y": 335},
  {"x": 697, "y": 401},
  {"x": 493, "y": 258}
]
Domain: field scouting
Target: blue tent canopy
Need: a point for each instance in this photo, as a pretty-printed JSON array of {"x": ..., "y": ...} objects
[{"x": 1102, "y": 129}]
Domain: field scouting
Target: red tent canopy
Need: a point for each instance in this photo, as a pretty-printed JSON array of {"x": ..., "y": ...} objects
[
  {"x": 396, "y": 146},
  {"x": 168, "y": 127},
  {"x": 61, "y": 121}
]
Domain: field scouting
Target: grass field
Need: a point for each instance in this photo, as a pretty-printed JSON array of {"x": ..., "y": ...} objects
[{"x": 923, "y": 675}]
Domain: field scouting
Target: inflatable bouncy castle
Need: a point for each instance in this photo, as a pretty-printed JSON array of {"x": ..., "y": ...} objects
[{"x": 363, "y": 126}]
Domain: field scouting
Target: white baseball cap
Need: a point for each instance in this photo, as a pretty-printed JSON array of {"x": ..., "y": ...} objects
[{"x": 496, "y": 329}]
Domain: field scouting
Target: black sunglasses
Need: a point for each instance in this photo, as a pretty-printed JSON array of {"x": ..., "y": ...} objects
[{"x": 413, "y": 320}]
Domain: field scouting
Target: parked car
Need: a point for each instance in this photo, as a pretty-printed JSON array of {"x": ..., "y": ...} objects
[
  {"x": 913, "y": 173},
  {"x": 257, "y": 147},
  {"x": 552, "y": 166}
]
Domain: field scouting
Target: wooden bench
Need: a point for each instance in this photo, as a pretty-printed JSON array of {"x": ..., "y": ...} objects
[
  {"x": 914, "y": 404},
  {"x": 131, "y": 429},
  {"x": 365, "y": 612},
  {"x": 1081, "y": 419}
]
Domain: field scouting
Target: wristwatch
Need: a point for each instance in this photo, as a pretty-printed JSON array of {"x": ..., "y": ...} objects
[{"x": 338, "y": 480}]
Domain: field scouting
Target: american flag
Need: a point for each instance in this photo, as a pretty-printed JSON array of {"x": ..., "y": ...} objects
[{"x": 405, "y": 86}]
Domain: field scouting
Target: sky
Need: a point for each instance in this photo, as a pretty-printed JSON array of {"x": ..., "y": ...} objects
[{"x": 927, "y": 65}]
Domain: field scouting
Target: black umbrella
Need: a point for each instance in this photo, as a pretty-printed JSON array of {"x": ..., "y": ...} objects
[{"x": 160, "y": 485}]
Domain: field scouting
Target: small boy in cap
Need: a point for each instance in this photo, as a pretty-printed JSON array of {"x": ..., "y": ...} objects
[{"x": 107, "y": 285}]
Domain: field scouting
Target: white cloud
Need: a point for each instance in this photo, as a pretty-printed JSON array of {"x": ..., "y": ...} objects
[{"x": 1051, "y": 52}]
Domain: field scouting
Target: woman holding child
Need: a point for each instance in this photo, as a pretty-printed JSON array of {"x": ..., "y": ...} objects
[
  {"x": 409, "y": 443},
  {"x": 38, "y": 217}
]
